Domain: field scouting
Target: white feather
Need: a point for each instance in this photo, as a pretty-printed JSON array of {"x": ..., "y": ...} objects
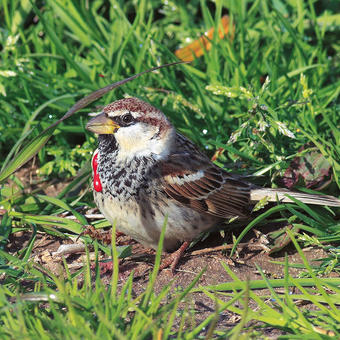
[{"x": 139, "y": 140}]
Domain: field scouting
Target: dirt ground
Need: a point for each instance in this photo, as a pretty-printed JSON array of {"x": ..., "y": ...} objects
[{"x": 200, "y": 257}]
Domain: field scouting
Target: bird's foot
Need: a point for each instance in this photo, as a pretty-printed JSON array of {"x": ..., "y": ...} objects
[
  {"x": 124, "y": 269},
  {"x": 102, "y": 236},
  {"x": 105, "y": 267},
  {"x": 173, "y": 259}
]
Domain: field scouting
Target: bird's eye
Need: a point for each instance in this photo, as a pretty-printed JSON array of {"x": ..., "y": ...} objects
[{"x": 127, "y": 118}]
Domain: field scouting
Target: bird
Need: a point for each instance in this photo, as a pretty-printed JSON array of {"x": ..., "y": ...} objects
[{"x": 144, "y": 172}]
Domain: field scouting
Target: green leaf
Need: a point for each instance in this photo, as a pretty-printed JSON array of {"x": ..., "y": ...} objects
[
  {"x": 29, "y": 151},
  {"x": 62, "y": 204}
]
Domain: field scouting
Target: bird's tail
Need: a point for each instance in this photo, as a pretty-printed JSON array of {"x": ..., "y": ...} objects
[{"x": 274, "y": 195}]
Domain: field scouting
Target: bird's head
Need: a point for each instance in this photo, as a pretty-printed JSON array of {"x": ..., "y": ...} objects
[{"x": 138, "y": 128}]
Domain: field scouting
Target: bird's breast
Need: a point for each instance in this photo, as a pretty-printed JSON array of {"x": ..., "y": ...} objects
[{"x": 122, "y": 180}]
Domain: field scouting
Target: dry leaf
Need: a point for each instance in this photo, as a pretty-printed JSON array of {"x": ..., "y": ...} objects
[{"x": 197, "y": 47}]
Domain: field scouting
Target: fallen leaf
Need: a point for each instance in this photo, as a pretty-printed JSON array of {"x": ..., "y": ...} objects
[
  {"x": 197, "y": 47},
  {"x": 312, "y": 170}
]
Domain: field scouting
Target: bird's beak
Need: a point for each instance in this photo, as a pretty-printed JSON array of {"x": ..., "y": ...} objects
[{"x": 102, "y": 125}]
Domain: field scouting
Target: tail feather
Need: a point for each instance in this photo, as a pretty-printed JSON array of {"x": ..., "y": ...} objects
[{"x": 274, "y": 195}]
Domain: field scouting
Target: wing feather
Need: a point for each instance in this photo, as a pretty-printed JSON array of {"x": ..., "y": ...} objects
[{"x": 195, "y": 181}]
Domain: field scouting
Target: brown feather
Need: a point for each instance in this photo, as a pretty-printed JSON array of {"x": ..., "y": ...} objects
[
  {"x": 216, "y": 192},
  {"x": 199, "y": 205}
]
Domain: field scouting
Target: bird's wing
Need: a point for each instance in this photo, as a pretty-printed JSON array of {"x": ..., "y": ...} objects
[{"x": 196, "y": 182}]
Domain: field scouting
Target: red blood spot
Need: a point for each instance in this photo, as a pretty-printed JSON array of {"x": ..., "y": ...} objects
[{"x": 97, "y": 185}]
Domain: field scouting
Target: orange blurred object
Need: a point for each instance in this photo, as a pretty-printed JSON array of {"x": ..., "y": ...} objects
[
  {"x": 197, "y": 47},
  {"x": 217, "y": 154}
]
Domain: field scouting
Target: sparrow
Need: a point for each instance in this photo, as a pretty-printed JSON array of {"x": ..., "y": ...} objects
[{"x": 144, "y": 171}]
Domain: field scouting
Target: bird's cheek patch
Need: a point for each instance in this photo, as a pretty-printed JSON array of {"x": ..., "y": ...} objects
[{"x": 97, "y": 185}]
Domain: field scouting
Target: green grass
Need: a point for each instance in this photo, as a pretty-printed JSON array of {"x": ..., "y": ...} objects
[{"x": 58, "y": 52}]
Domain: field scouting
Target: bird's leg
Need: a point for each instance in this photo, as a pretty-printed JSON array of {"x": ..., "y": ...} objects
[
  {"x": 173, "y": 259},
  {"x": 105, "y": 238},
  {"x": 102, "y": 236},
  {"x": 105, "y": 267}
]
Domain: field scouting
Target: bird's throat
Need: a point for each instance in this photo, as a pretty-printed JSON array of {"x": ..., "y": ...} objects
[
  {"x": 107, "y": 144},
  {"x": 120, "y": 177}
]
